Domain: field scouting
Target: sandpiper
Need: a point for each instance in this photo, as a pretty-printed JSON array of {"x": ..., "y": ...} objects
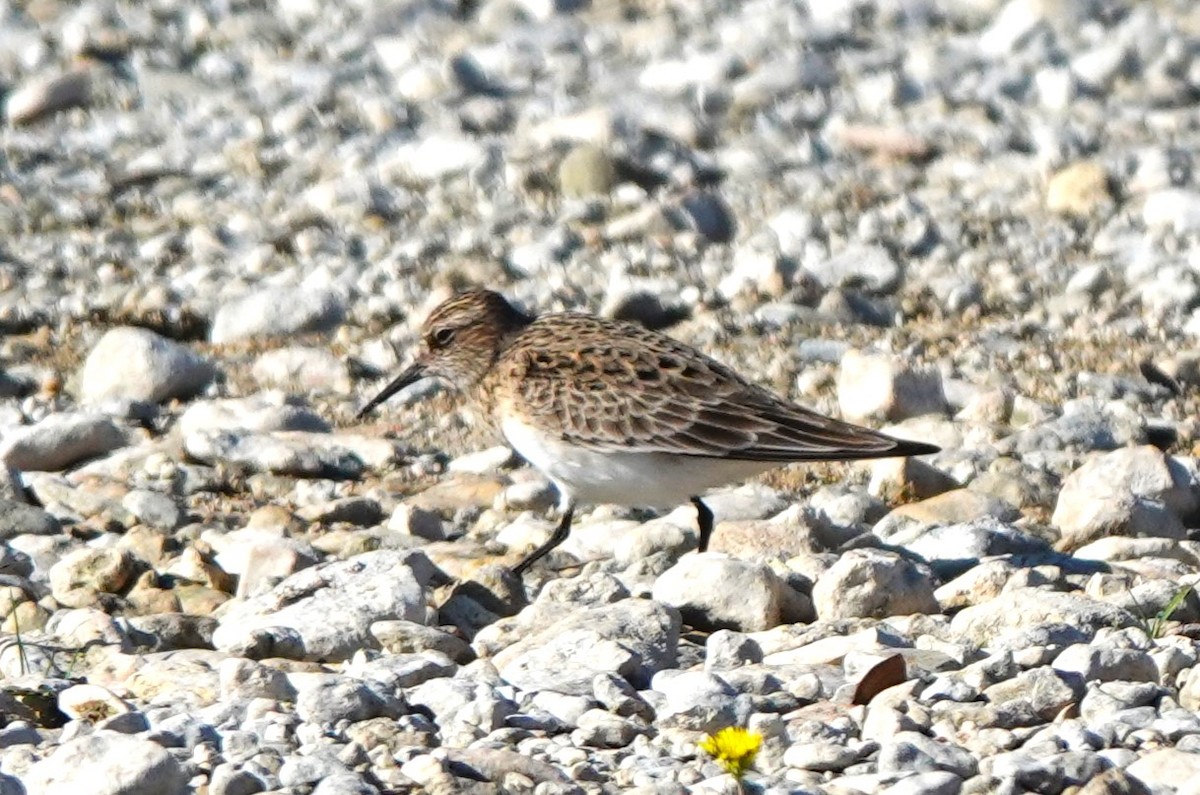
[{"x": 611, "y": 412}]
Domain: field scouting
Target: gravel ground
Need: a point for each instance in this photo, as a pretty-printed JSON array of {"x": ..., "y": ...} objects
[{"x": 975, "y": 223}]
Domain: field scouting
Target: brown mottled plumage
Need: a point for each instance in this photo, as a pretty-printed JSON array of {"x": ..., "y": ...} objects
[{"x": 613, "y": 412}]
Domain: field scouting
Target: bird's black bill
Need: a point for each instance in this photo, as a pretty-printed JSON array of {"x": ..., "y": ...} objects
[{"x": 410, "y": 376}]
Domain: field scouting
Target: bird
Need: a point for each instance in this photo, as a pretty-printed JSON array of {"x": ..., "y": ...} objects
[{"x": 614, "y": 413}]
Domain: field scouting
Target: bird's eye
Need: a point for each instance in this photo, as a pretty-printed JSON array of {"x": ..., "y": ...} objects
[{"x": 443, "y": 337}]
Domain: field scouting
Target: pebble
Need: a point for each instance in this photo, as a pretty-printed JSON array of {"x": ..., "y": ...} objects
[
  {"x": 277, "y": 312},
  {"x": 715, "y": 592},
  {"x": 878, "y": 386},
  {"x": 872, "y": 583},
  {"x": 60, "y": 441},
  {"x": 108, "y": 763},
  {"x": 325, "y": 612},
  {"x": 37, "y": 99},
  {"x": 137, "y": 364}
]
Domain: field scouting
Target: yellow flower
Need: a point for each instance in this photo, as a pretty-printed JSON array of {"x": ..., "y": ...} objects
[{"x": 733, "y": 749}]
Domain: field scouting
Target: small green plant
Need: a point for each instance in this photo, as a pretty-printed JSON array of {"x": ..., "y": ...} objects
[
  {"x": 1157, "y": 625},
  {"x": 733, "y": 749}
]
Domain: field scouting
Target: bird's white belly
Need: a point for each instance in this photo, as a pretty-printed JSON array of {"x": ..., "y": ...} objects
[{"x": 657, "y": 480}]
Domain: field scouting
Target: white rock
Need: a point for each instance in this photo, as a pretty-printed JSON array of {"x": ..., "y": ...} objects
[
  {"x": 91, "y": 703},
  {"x": 59, "y": 441},
  {"x": 137, "y": 364},
  {"x": 277, "y": 312},
  {"x": 871, "y": 583},
  {"x": 1177, "y": 208},
  {"x": 869, "y": 268},
  {"x": 1134, "y": 491},
  {"x": 871, "y": 386},
  {"x": 712, "y": 591},
  {"x": 33, "y": 100},
  {"x": 107, "y": 763},
  {"x": 302, "y": 370},
  {"x": 325, "y": 612}
]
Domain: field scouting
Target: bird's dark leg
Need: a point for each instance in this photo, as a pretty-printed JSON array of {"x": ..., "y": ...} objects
[
  {"x": 559, "y": 536},
  {"x": 704, "y": 519}
]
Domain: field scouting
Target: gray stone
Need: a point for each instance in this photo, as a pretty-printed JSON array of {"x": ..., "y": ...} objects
[
  {"x": 38, "y": 98},
  {"x": 632, "y": 638},
  {"x": 712, "y": 591},
  {"x": 870, "y": 268},
  {"x": 277, "y": 312},
  {"x": 1023, "y": 609},
  {"x": 867, "y": 583},
  {"x": 1099, "y": 663},
  {"x": 227, "y": 779},
  {"x": 877, "y": 386},
  {"x": 1135, "y": 491},
  {"x": 913, "y": 751},
  {"x": 284, "y": 453},
  {"x": 325, "y": 699},
  {"x": 1046, "y": 690},
  {"x": 136, "y": 364},
  {"x": 326, "y": 612},
  {"x": 302, "y": 371},
  {"x": 18, "y": 519},
  {"x": 60, "y": 441},
  {"x": 107, "y": 763},
  {"x": 82, "y": 575},
  {"x": 153, "y": 508}
]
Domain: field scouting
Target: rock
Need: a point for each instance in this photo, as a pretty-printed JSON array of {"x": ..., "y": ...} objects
[
  {"x": 325, "y": 699},
  {"x": 416, "y": 522},
  {"x": 823, "y": 756},
  {"x": 1045, "y": 690},
  {"x": 277, "y": 312},
  {"x": 242, "y": 680},
  {"x": 326, "y": 612},
  {"x": 60, "y": 441},
  {"x": 758, "y": 268},
  {"x": 81, "y": 576},
  {"x": 869, "y": 268},
  {"x": 909, "y": 751},
  {"x": 632, "y": 638},
  {"x": 1135, "y": 491},
  {"x": 1174, "y": 208},
  {"x": 136, "y": 364},
  {"x": 283, "y": 453},
  {"x": 107, "y": 763},
  {"x": 959, "y": 506},
  {"x": 91, "y": 703},
  {"x": 302, "y": 371},
  {"x": 697, "y": 700},
  {"x": 1021, "y": 609},
  {"x": 877, "y": 386},
  {"x": 709, "y": 215},
  {"x": 32, "y": 101},
  {"x": 153, "y": 508},
  {"x": 586, "y": 170},
  {"x": 911, "y": 477},
  {"x": 952, "y": 549},
  {"x": 261, "y": 557},
  {"x": 406, "y": 637},
  {"x": 870, "y": 583},
  {"x": 1080, "y": 189},
  {"x": 715, "y": 592},
  {"x": 266, "y": 411},
  {"x": 1164, "y": 769},
  {"x": 1106, "y": 664},
  {"x": 18, "y": 519}
]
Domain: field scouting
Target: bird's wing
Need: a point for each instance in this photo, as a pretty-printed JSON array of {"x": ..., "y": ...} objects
[{"x": 620, "y": 387}]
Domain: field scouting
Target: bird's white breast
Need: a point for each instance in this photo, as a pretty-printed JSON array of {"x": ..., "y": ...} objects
[{"x": 651, "y": 479}]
